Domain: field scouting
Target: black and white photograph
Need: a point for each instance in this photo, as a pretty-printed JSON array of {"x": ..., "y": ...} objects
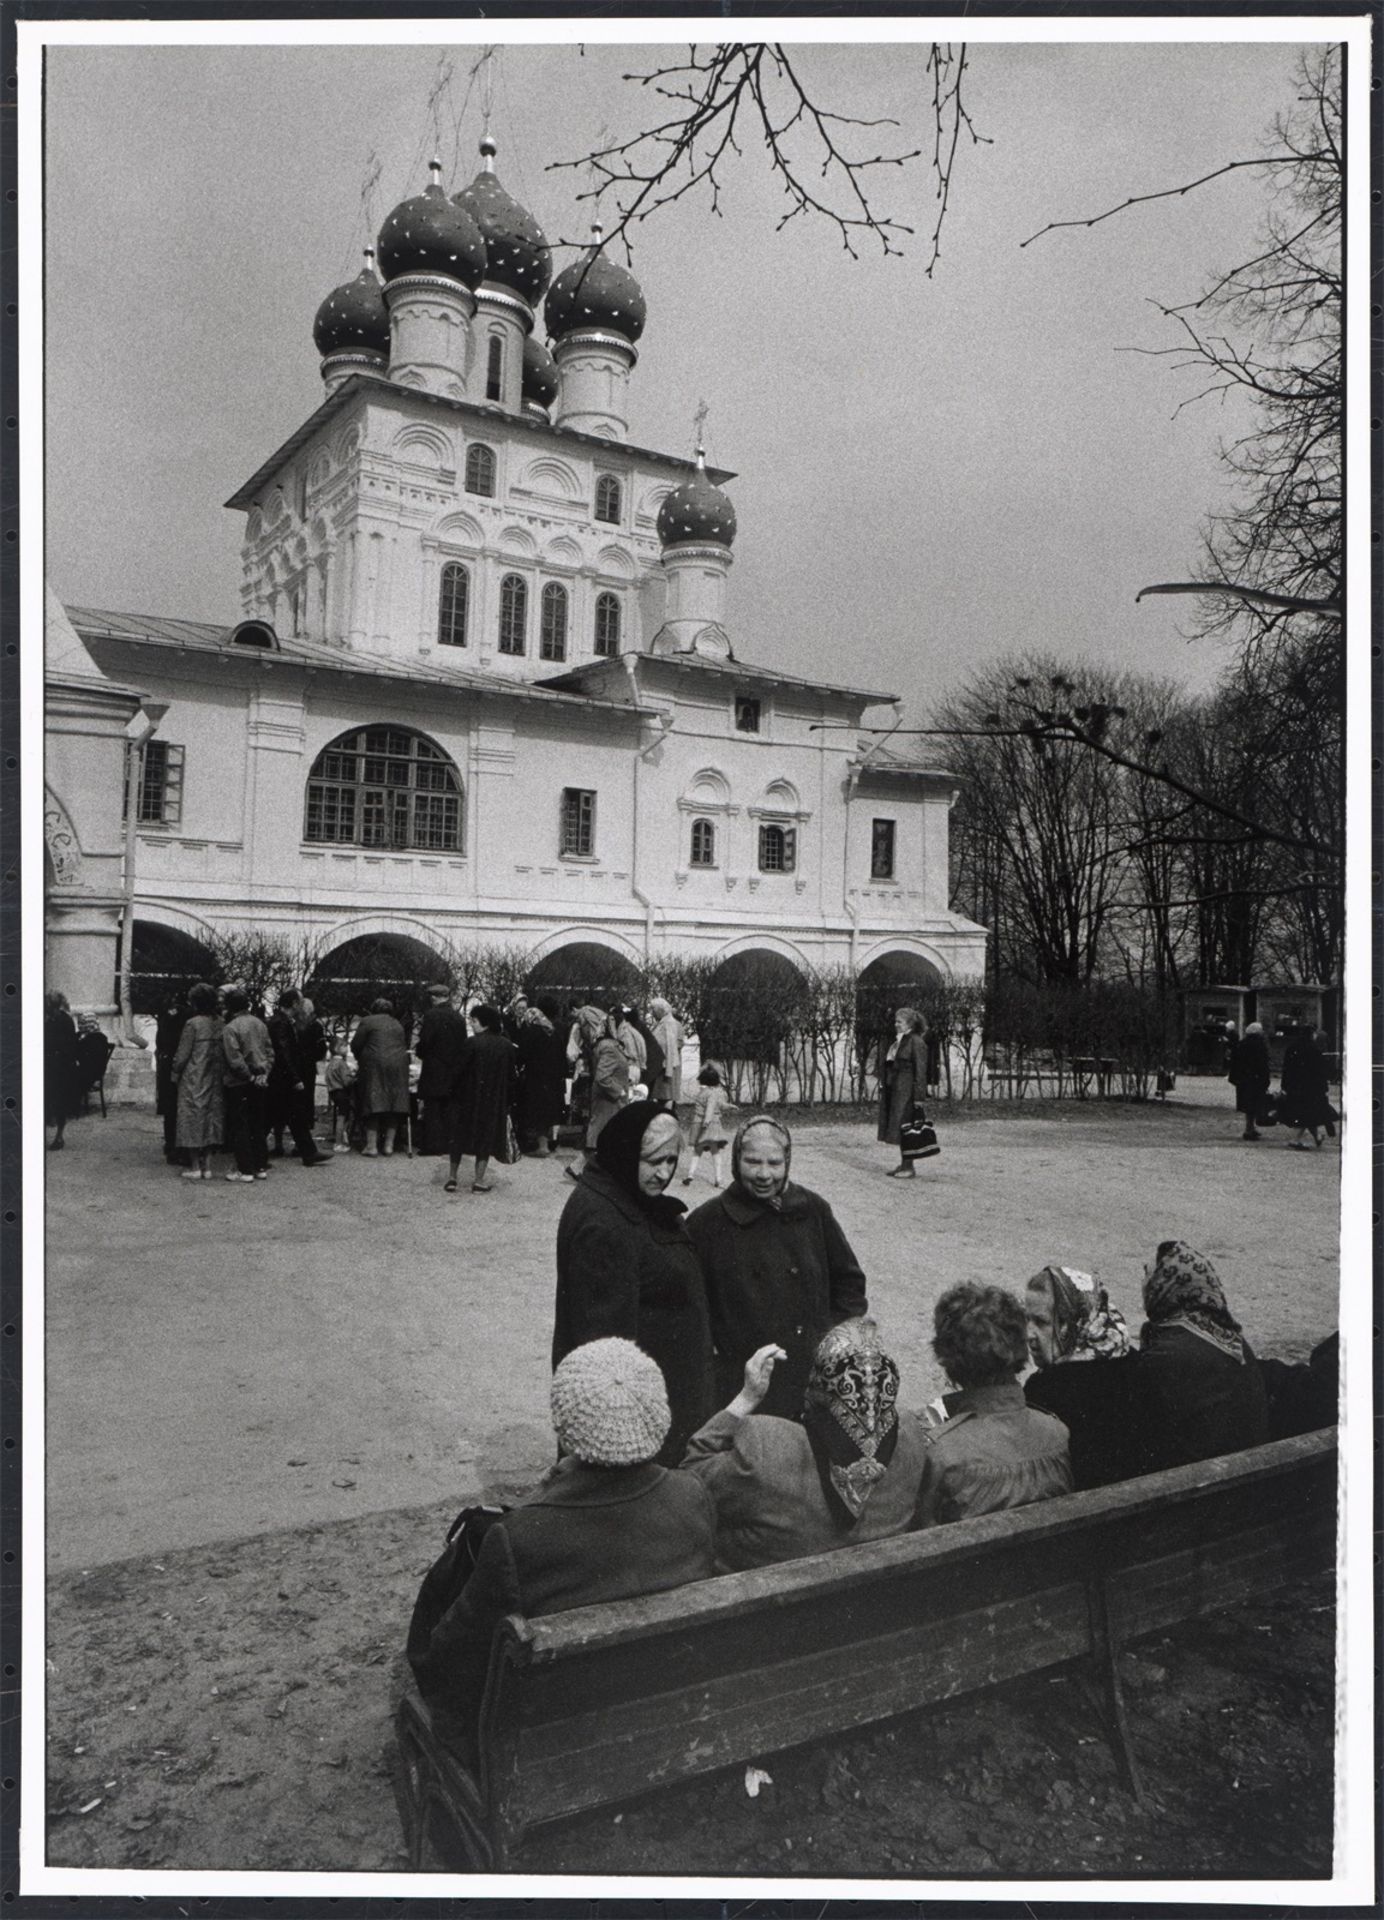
[{"x": 732, "y": 652}]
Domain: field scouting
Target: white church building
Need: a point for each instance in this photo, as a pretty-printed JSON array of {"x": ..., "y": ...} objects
[{"x": 481, "y": 685}]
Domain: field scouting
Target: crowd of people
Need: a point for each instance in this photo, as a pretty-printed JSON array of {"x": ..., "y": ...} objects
[{"x": 722, "y": 1398}]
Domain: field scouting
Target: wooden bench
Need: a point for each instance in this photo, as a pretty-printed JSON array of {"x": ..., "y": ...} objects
[{"x": 589, "y": 1708}]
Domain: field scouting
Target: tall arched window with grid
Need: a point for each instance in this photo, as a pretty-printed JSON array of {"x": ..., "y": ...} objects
[
  {"x": 452, "y": 604},
  {"x": 552, "y": 641},
  {"x": 703, "y": 844},
  {"x": 384, "y": 787},
  {"x": 480, "y": 471},
  {"x": 608, "y": 499},
  {"x": 607, "y": 625},
  {"x": 514, "y": 613}
]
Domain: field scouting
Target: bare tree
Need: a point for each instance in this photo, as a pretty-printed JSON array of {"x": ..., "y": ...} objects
[{"x": 723, "y": 98}]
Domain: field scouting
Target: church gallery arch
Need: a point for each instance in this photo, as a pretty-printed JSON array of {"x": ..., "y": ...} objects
[
  {"x": 582, "y": 971},
  {"x": 164, "y": 963},
  {"x": 894, "y": 979},
  {"x": 753, "y": 1003},
  {"x": 376, "y": 966}
]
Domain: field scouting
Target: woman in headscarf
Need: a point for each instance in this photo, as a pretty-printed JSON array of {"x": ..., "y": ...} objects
[
  {"x": 1250, "y": 1075},
  {"x": 1306, "y": 1084},
  {"x": 626, "y": 1268},
  {"x": 1206, "y": 1394},
  {"x": 1071, "y": 1320},
  {"x": 902, "y": 1083},
  {"x": 848, "y": 1471},
  {"x": 667, "y": 1031},
  {"x": 608, "y": 1066},
  {"x": 542, "y": 1080},
  {"x": 778, "y": 1267}
]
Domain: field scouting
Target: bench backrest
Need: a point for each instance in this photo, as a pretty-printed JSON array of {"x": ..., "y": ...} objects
[{"x": 603, "y": 1703}]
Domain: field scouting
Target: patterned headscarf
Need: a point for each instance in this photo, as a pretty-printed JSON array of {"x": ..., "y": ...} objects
[
  {"x": 1182, "y": 1289},
  {"x": 1084, "y": 1324},
  {"x": 850, "y": 1416},
  {"x": 776, "y": 1127}
]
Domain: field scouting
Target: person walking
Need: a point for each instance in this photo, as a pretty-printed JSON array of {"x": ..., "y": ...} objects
[
  {"x": 668, "y": 1032},
  {"x": 1250, "y": 1075},
  {"x": 381, "y": 1051},
  {"x": 197, "y": 1072},
  {"x": 442, "y": 1039},
  {"x": 778, "y": 1267},
  {"x": 480, "y": 1123},
  {"x": 60, "y": 1070},
  {"x": 710, "y": 1129},
  {"x": 1306, "y": 1087},
  {"x": 903, "y": 1083},
  {"x": 248, "y": 1056},
  {"x": 542, "y": 1068},
  {"x": 626, "y": 1268}
]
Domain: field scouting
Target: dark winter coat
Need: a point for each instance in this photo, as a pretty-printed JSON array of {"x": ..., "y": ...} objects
[
  {"x": 1250, "y": 1073},
  {"x": 61, "y": 1074},
  {"x": 588, "y": 1534},
  {"x": 1306, "y": 1085},
  {"x": 381, "y": 1052},
  {"x": 542, "y": 1079},
  {"x": 442, "y": 1037},
  {"x": 286, "y": 1071},
  {"x": 1202, "y": 1401},
  {"x": 626, "y": 1270},
  {"x": 1106, "y": 1410},
  {"x": 902, "y": 1080},
  {"x": 785, "y": 1274},
  {"x": 480, "y": 1120}
]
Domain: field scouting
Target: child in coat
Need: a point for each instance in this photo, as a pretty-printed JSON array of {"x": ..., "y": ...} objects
[{"x": 710, "y": 1127}]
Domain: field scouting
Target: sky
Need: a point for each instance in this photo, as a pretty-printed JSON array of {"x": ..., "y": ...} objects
[{"x": 932, "y": 473}]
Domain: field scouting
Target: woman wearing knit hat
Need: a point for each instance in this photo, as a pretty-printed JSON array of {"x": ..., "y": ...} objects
[
  {"x": 778, "y": 1267},
  {"x": 605, "y": 1524},
  {"x": 848, "y": 1471},
  {"x": 626, "y": 1267}
]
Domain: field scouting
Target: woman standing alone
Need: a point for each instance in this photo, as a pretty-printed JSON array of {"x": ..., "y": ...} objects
[{"x": 902, "y": 1084}]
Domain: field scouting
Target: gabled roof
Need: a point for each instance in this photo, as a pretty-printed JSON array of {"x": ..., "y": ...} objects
[
  {"x": 244, "y": 495},
  {"x": 699, "y": 665},
  {"x": 199, "y": 637}
]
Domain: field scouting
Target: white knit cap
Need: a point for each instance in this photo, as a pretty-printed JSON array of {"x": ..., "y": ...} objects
[{"x": 610, "y": 1407}]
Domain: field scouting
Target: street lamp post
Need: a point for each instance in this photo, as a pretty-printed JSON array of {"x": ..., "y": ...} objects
[{"x": 138, "y": 732}]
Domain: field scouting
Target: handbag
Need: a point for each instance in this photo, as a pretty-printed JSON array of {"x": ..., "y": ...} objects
[
  {"x": 445, "y": 1579},
  {"x": 1266, "y": 1113},
  {"x": 918, "y": 1136}
]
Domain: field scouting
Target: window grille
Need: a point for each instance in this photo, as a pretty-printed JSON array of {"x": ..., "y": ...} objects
[
  {"x": 480, "y": 471},
  {"x": 882, "y": 850},
  {"x": 451, "y": 606},
  {"x": 607, "y": 625},
  {"x": 160, "y": 802},
  {"x": 578, "y": 820},
  {"x": 552, "y": 643},
  {"x": 703, "y": 844},
  {"x": 778, "y": 849},
  {"x": 608, "y": 499},
  {"x": 384, "y": 787},
  {"x": 514, "y": 613}
]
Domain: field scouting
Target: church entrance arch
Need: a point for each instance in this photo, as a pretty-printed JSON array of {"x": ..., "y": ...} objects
[
  {"x": 164, "y": 963},
  {"x": 582, "y": 972},
  {"x": 892, "y": 980},
  {"x": 376, "y": 966},
  {"x": 754, "y": 1004}
]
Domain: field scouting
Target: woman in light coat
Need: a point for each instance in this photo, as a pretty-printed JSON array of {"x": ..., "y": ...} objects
[{"x": 198, "y": 1070}]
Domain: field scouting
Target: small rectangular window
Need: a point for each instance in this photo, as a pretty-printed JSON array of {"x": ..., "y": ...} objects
[
  {"x": 578, "y": 820},
  {"x": 778, "y": 849},
  {"x": 882, "y": 850},
  {"x": 160, "y": 785},
  {"x": 746, "y": 714}
]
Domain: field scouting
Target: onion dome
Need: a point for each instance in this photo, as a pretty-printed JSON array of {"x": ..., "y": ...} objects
[
  {"x": 353, "y": 318},
  {"x": 540, "y": 381},
  {"x": 697, "y": 510},
  {"x": 431, "y": 234},
  {"x": 595, "y": 292},
  {"x": 517, "y": 256}
]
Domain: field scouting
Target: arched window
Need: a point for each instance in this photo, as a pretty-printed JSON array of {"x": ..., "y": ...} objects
[
  {"x": 552, "y": 641},
  {"x": 608, "y": 499},
  {"x": 514, "y": 613},
  {"x": 495, "y": 368},
  {"x": 451, "y": 606},
  {"x": 778, "y": 849},
  {"x": 703, "y": 844},
  {"x": 384, "y": 787},
  {"x": 480, "y": 471},
  {"x": 607, "y": 625}
]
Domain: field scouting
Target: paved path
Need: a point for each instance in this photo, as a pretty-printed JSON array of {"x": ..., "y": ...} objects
[{"x": 224, "y": 1360}]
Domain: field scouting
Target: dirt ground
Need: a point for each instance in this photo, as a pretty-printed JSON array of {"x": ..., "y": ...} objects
[{"x": 266, "y": 1403}]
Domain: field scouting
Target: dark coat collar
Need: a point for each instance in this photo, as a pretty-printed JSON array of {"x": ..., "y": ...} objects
[
  {"x": 796, "y": 1204},
  {"x": 572, "y": 1483}
]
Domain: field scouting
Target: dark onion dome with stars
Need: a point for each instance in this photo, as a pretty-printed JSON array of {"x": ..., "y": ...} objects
[
  {"x": 697, "y": 510},
  {"x": 517, "y": 255},
  {"x": 432, "y": 234},
  {"x": 540, "y": 379},
  {"x": 595, "y": 293},
  {"x": 354, "y": 318}
]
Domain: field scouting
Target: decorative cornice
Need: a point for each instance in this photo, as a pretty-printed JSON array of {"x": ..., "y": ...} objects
[
  {"x": 429, "y": 283},
  {"x": 696, "y": 550},
  {"x": 491, "y": 296},
  {"x": 594, "y": 337}
]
